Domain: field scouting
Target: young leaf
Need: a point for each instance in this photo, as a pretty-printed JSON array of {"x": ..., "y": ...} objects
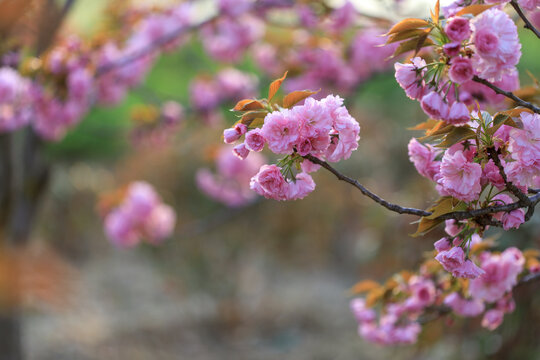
[
  {"x": 408, "y": 24},
  {"x": 363, "y": 286},
  {"x": 374, "y": 295},
  {"x": 406, "y": 35},
  {"x": 253, "y": 118},
  {"x": 297, "y": 96},
  {"x": 515, "y": 112},
  {"x": 275, "y": 85},
  {"x": 446, "y": 205},
  {"x": 248, "y": 104},
  {"x": 425, "y": 225},
  {"x": 427, "y": 125},
  {"x": 413, "y": 44},
  {"x": 474, "y": 9},
  {"x": 458, "y": 134},
  {"x": 435, "y": 15}
]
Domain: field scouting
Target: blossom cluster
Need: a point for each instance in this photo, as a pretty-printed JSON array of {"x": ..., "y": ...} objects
[
  {"x": 139, "y": 215},
  {"x": 475, "y": 160},
  {"x": 406, "y": 299},
  {"x": 320, "y": 128}
]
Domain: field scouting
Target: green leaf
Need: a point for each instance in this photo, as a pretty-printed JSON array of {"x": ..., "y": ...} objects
[{"x": 457, "y": 135}]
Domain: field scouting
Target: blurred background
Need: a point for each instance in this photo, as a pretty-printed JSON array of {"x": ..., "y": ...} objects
[{"x": 266, "y": 280}]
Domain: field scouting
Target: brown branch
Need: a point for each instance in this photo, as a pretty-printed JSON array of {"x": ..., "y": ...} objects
[
  {"x": 494, "y": 155},
  {"x": 455, "y": 215},
  {"x": 366, "y": 192},
  {"x": 151, "y": 48},
  {"x": 528, "y": 24},
  {"x": 508, "y": 94}
]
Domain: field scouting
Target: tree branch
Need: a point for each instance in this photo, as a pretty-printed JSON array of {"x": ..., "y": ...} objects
[
  {"x": 494, "y": 155},
  {"x": 528, "y": 24},
  {"x": 152, "y": 47},
  {"x": 508, "y": 94},
  {"x": 455, "y": 215}
]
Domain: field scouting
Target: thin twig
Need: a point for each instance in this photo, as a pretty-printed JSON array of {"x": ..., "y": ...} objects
[
  {"x": 151, "y": 48},
  {"x": 494, "y": 155},
  {"x": 528, "y": 24},
  {"x": 455, "y": 215},
  {"x": 508, "y": 94}
]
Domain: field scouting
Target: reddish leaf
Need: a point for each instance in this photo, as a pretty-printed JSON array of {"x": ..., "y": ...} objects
[
  {"x": 413, "y": 44},
  {"x": 363, "y": 286},
  {"x": 248, "y": 104},
  {"x": 408, "y": 24},
  {"x": 406, "y": 35},
  {"x": 253, "y": 118},
  {"x": 474, "y": 9},
  {"x": 435, "y": 15},
  {"x": 275, "y": 85},
  {"x": 297, "y": 96}
]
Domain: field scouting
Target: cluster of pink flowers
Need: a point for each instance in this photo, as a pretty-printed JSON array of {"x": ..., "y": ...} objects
[
  {"x": 460, "y": 172},
  {"x": 489, "y": 293},
  {"x": 445, "y": 91},
  {"x": 321, "y": 128},
  {"x": 230, "y": 184},
  {"x": 398, "y": 323},
  {"x": 141, "y": 215}
]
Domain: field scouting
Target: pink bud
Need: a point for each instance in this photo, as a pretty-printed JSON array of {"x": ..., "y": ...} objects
[
  {"x": 452, "y": 49},
  {"x": 459, "y": 114},
  {"x": 241, "y": 151},
  {"x": 230, "y": 136}
]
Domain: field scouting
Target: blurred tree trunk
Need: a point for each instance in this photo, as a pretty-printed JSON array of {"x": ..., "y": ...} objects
[{"x": 24, "y": 174}]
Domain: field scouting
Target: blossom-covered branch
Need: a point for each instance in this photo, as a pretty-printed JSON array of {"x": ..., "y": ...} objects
[
  {"x": 508, "y": 94},
  {"x": 454, "y": 215},
  {"x": 528, "y": 24}
]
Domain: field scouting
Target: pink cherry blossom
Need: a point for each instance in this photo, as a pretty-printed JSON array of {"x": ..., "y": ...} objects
[
  {"x": 501, "y": 271},
  {"x": 458, "y": 29},
  {"x": 462, "y": 307},
  {"x": 254, "y": 140},
  {"x": 459, "y": 114},
  {"x": 496, "y": 44},
  {"x": 461, "y": 70},
  {"x": 434, "y": 106},
  {"x": 423, "y": 158},
  {"x": 408, "y": 77},
  {"x": 241, "y": 151},
  {"x": 281, "y": 131},
  {"x": 460, "y": 177},
  {"x": 270, "y": 183},
  {"x": 492, "y": 319}
]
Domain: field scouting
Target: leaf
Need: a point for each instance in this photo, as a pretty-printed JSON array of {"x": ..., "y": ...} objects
[
  {"x": 413, "y": 44},
  {"x": 526, "y": 92},
  {"x": 457, "y": 135},
  {"x": 500, "y": 120},
  {"x": 275, "y": 85},
  {"x": 425, "y": 225},
  {"x": 446, "y": 205},
  {"x": 427, "y": 125},
  {"x": 474, "y": 9},
  {"x": 516, "y": 112},
  {"x": 253, "y": 118},
  {"x": 375, "y": 295},
  {"x": 406, "y": 35},
  {"x": 408, "y": 24},
  {"x": 531, "y": 253},
  {"x": 435, "y": 15},
  {"x": 248, "y": 104},
  {"x": 363, "y": 286},
  {"x": 297, "y": 96}
]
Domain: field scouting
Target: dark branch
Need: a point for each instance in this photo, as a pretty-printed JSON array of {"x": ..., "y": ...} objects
[
  {"x": 528, "y": 24},
  {"x": 494, "y": 155},
  {"x": 151, "y": 48},
  {"x": 366, "y": 192},
  {"x": 456, "y": 215},
  {"x": 508, "y": 94}
]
